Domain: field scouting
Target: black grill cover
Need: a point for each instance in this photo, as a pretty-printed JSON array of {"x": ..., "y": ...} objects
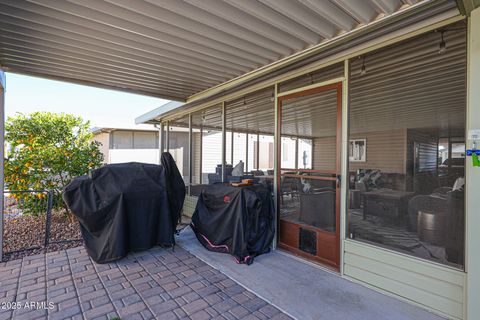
[
  {"x": 235, "y": 220},
  {"x": 127, "y": 207}
]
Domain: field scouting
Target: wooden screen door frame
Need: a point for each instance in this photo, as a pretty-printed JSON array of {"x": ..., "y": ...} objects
[{"x": 330, "y": 238}]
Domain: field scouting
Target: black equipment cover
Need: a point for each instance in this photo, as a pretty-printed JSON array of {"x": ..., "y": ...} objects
[
  {"x": 127, "y": 207},
  {"x": 235, "y": 220}
]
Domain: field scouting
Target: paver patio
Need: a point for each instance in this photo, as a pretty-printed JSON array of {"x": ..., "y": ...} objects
[{"x": 154, "y": 284}]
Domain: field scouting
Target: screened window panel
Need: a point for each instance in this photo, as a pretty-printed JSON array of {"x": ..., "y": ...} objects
[
  {"x": 407, "y": 147},
  {"x": 265, "y": 161},
  {"x": 239, "y": 148},
  {"x": 209, "y": 123},
  {"x": 253, "y": 113},
  {"x": 252, "y": 152}
]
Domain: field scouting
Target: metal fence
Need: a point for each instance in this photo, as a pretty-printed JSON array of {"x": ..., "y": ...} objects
[{"x": 33, "y": 225}]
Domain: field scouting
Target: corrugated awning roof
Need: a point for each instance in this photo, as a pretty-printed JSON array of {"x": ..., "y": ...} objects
[
  {"x": 172, "y": 49},
  {"x": 151, "y": 115}
]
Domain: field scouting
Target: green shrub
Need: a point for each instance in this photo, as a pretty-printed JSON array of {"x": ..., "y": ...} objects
[{"x": 45, "y": 152}]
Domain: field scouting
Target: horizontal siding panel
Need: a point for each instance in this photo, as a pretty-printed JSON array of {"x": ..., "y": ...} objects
[
  {"x": 443, "y": 306},
  {"x": 416, "y": 280},
  {"x": 385, "y": 151},
  {"x": 408, "y": 263},
  {"x": 324, "y": 153},
  {"x": 321, "y": 75},
  {"x": 436, "y": 287}
]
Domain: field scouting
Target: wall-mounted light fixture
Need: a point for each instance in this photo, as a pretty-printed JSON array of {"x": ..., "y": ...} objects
[
  {"x": 363, "y": 70},
  {"x": 442, "y": 46}
]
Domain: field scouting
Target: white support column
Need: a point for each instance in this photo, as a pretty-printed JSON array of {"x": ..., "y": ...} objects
[
  {"x": 257, "y": 159},
  {"x": 224, "y": 142},
  {"x": 472, "y": 186},
  {"x": 161, "y": 142},
  {"x": 296, "y": 153},
  {"x": 190, "y": 152},
  {"x": 2, "y": 155},
  {"x": 167, "y": 137},
  {"x": 344, "y": 164},
  {"x": 231, "y": 147},
  {"x": 246, "y": 152},
  {"x": 276, "y": 159},
  {"x": 200, "y": 159}
]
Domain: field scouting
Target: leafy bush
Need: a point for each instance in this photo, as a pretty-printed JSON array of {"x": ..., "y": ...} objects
[{"x": 45, "y": 152}]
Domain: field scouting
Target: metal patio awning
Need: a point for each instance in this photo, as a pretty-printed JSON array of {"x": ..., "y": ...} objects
[{"x": 174, "y": 49}]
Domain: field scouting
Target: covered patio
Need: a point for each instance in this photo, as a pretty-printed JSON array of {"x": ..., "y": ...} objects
[
  {"x": 188, "y": 283},
  {"x": 357, "y": 115}
]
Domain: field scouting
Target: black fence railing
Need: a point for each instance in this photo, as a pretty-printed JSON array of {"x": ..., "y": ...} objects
[{"x": 30, "y": 216}]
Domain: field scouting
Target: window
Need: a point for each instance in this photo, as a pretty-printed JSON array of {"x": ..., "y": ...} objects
[
  {"x": 252, "y": 120},
  {"x": 145, "y": 140},
  {"x": 122, "y": 140},
  {"x": 407, "y": 193}
]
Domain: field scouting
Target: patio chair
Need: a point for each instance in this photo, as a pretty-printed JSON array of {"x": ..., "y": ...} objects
[{"x": 318, "y": 209}]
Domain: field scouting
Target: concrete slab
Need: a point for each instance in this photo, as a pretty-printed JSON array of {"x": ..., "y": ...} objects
[{"x": 305, "y": 291}]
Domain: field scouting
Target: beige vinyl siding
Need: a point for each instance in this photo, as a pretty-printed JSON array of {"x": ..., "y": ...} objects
[
  {"x": 433, "y": 286},
  {"x": 325, "y": 74},
  {"x": 386, "y": 151},
  {"x": 104, "y": 139},
  {"x": 211, "y": 153},
  {"x": 324, "y": 153}
]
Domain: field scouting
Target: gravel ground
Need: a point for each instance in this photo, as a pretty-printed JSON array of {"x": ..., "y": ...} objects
[{"x": 25, "y": 235}]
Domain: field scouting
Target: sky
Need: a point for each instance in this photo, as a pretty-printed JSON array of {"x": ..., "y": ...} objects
[{"x": 104, "y": 108}]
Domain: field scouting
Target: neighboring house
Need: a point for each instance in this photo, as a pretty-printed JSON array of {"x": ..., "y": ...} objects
[
  {"x": 128, "y": 144},
  {"x": 138, "y": 144}
]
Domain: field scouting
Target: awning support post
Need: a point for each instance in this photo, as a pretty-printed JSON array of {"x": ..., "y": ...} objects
[
  {"x": 472, "y": 181},
  {"x": 190, "y": 152},
  {"x": 231, "y": 147},
  {"x": 246, "y": 152},
  {"x": 224, "y": 142},
  {"x": 276, "y": 175},
  {"x": 296, "y": 153},
  {"x": 257, "y": 160},
  {"x": 167, "y": 137},
  {"x": 161, "y": 139}
]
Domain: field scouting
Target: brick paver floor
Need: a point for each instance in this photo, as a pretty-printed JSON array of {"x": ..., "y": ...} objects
[{"x": 155, "y": 284}]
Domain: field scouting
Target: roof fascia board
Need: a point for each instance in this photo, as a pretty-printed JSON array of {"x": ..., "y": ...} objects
[{"x": 150, "y": 116}]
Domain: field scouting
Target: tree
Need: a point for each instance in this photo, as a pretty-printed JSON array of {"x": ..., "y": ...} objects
[{"x": 45, "y": 152}]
